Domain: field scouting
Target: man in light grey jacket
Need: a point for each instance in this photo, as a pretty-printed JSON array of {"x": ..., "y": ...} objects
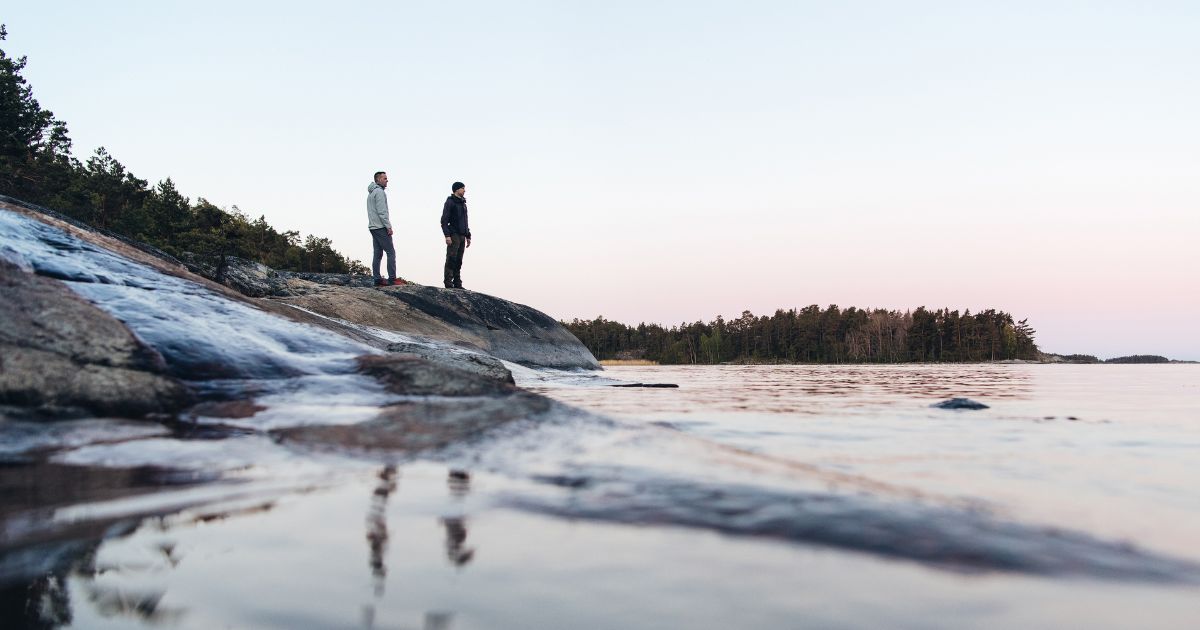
[{"x": 380, "y": 225}]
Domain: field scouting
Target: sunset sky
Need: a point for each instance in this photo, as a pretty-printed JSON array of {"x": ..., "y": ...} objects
[{"x": 672, "y": 161}]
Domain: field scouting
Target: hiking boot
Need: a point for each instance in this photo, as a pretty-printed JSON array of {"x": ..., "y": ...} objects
[
  {"x": 399, "y": 282},
  {"x": 379, "y": 282}
]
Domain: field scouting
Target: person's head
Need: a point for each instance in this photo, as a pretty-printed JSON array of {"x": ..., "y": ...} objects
[
  {"x": 459, "y": 189},
  {"x": 381, "y": 178}
]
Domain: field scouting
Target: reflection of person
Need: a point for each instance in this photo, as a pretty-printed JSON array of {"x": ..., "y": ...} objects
[
  {"x": 456, "y": 527},
  {"x": 377, "y": 530},
  {"x": 380, "y": 225},
  {"x": 456, "y": 536},
  {"x": 457, "y": 233}
]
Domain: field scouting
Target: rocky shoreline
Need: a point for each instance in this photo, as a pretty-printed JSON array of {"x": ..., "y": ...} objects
[
  {"x": 106, "y": 341},
  {"x": 65, "y": 357}
]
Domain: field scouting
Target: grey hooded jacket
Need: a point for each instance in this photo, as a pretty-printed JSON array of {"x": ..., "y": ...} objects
[{"x": 377, "y": 210}]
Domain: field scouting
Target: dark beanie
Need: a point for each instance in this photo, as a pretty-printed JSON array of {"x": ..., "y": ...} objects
[{"x": 456, "y": 186}]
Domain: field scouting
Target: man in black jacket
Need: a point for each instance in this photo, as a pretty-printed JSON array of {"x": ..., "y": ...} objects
[{"x": 457, "y": 233}]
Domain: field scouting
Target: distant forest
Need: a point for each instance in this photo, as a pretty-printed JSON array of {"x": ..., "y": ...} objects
[
  {"x": 1139, "y": 358},
  {"x": 816, "y": 335},
  {"x": 36, "y": 165}
]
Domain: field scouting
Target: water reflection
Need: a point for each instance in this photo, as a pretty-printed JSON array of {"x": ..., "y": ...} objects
[
  {"x": 456, "y": 537},
  {"x": 438, "y": 620},
  {"x": 377, "y": 530},
  {"x": 43, "y": 603},
  {"x": 111, "y": 601},
  {"x": 459, "y": 483},
  {"x": 800, "y": 389}
]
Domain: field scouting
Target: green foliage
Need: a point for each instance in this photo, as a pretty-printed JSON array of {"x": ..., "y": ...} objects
[
  {"x": 36, "y": 165},
  {"x": 35, "y": 151},
  {"x": 815, "y": 335}
]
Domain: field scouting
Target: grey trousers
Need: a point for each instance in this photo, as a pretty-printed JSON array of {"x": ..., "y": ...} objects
[
  {"x": 452, "y": 275},
  {"x": 382, "y": 242}
]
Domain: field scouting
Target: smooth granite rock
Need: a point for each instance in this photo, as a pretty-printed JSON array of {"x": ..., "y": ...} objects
[
  {"x": 481, "y": 364},
  {"x": 252, "y": 279},
  {"x": 62, "y": 357},
  {"x": 414, "y": 376},
  {"x": 487, "y": 324}
]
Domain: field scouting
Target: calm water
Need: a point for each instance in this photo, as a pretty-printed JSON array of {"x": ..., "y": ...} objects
[
  {"x": 749, "y": 497},
  {"x": 1107, "y": 449}
]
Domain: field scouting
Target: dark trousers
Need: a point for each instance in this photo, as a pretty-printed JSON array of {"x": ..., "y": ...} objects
[
  {"x": 452, "y": 277},
  {"x": 383, "y": 245}
]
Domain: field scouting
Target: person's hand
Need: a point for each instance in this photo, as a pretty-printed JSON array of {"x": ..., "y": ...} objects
[
  {"x": 468, "y": 242},
  {"x": 449, "y": 240},
  {"x": 389, "y": 231}
]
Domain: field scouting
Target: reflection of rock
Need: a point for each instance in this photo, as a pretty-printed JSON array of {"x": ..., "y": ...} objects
[
  {"x": 114, "y": 601},
  {"x": 419, "y": 425},
  {"x": 60, "y": 356},
  {"x": 42, "y": 603},
  {"x": 959, "y": 403},
  {"x": 32, "y": 494},
  {"x": 948, "y": 537}
]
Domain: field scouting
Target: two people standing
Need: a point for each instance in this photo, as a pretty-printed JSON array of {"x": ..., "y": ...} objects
[{"x": 455, "y": 229}]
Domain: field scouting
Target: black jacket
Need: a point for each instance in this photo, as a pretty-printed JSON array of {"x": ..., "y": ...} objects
[{"x": 454, "y": 217}]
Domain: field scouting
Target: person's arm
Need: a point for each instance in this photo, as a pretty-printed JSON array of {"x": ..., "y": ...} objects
[
  {"x": 466, "y": 226},
  {"x": 447, "y": 210},
  {"x": 382, "y": 208}
]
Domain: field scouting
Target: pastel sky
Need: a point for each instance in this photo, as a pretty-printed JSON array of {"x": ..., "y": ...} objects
[{"x": 672, "y": 161}]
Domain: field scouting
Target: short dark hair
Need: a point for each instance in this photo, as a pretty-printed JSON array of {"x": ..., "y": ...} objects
[{"x": 378, "y": 173}]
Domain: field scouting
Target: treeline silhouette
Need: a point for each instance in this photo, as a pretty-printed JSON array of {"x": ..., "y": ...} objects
[
  {"x": 36, "y": 165},
  {"x": 816, "y": 335},
  {"x": 1139, "y": 358}
]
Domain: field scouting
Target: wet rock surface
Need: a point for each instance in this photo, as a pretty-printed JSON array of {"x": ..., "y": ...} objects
[
  {"x": 481, "y": 364},
  {"x": 461, "y": 406},
  {"x": 959, "y": 403},
  {"x": 414, "y": 376},
  {"x": 62, "y": 357}
]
